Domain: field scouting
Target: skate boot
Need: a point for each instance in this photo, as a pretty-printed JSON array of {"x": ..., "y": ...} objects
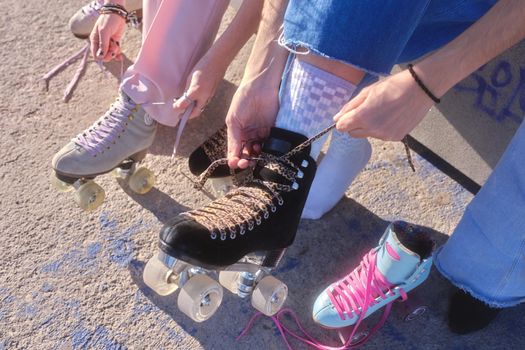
[
  {"x": 84, "y": 19},
  {"x": 401, "y": 262},
  {"x": 213, "y": 149},
  {"x": 116, "y": 141},
  {"x": 243, "y": 235}
]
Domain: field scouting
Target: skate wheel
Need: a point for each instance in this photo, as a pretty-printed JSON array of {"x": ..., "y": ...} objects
[
  {"x": 269, "y": 295},
  {"x": 158, "y": 277},
  {"x": 228, "y": 279},
  {"x": 415, "y": 313},
  {"x": 89, "y": 196},
  {"x": 221, "y": 185},
  {"x": 141, "y": 181},
  {"x": 59, "y": 185},
  {"x": 119, "y": 173},
  {"x": 200, "y": 297}
]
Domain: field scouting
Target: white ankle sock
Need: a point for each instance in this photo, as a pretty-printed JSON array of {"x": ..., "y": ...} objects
[
  {"x": 310, "y": 98},
  {"x": 345, "y": 158}
]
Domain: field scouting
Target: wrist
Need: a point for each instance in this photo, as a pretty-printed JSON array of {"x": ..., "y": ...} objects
[{"x": 442, "y": 70}]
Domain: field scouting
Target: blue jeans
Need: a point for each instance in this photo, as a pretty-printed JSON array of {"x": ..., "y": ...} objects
[
  {"x": 375, "y": 35},
  {"x": 486, "y": 253}
]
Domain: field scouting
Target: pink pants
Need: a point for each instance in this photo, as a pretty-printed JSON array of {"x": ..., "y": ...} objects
[{"x": 175, "y": 35}]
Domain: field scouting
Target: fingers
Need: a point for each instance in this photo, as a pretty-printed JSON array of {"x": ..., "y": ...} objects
[
  {"x": 94, "y": 39},
  {"x": 103, "y": 43},
  {"x": 113, "y": 50},
  {"x": 352, "y": 104},
  {"x": 234, "y": 145}
]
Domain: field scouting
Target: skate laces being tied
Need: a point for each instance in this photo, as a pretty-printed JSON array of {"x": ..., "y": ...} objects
[
  {"x": 244, "y": 207},
  {"x": 355, "y": 293},
  {"x": 107, "y": 128}
]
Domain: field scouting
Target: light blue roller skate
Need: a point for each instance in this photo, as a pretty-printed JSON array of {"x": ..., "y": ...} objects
[{"x": 400, "y": 263}]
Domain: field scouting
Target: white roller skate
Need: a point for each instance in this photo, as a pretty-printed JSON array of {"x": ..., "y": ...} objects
[{"x": 117, "y": 142}]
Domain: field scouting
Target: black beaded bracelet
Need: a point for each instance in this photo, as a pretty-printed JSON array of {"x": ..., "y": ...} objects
[
  {"x": 421, "y": 85},
  {"x": 114, "y": 9}
]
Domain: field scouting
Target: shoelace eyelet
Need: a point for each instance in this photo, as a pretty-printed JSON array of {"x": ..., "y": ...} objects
[
  {"x": 304, "y": 163},
  {"x": 299, "y": 174},
  {"x": 295, "y": 186},
  {"x": 213, "y": 235}
]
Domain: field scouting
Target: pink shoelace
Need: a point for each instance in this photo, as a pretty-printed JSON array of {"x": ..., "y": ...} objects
[
  {"x": 105, "y": 130},
  {"x": 357, "y": 291}
]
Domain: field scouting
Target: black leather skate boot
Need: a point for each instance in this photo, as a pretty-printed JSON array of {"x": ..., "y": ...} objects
[{"x": 261, "y": 215}]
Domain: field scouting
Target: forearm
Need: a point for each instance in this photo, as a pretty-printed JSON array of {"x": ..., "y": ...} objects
[
  {"x": 268, "y": 58},
  {"x": 240, "y": 30},
  {"x": 500, "y": 28}
]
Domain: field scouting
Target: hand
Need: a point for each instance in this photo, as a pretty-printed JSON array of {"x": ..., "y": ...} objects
[
  {"x": 105, "y": 37},
  {"x": 201, "y": 85},
  {"x": 252, "y": 113},
  {"x": 387, "y": 110}
]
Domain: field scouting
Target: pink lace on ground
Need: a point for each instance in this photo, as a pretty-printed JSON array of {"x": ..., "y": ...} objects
[{"x": 355, "y": 293}]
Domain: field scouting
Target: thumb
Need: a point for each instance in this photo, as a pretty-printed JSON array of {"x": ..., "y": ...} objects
[
  {"x": 352, "y": 104},
  {"x": 184, "y": 101},
  {"x": 234, "y": 145}
]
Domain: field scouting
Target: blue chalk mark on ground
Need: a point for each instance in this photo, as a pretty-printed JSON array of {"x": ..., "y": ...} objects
[
  {"x": 82, "y": 338},
  {"x": 117, "y": 246},
  {"x": 288, "y": 264}
]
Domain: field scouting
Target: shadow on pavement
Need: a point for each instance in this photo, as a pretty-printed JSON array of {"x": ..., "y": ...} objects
[
  {"x": 322, "y": 252},
  {"x": 157, "y": 202}
]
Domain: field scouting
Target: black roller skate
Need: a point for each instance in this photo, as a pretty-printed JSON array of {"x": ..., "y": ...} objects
[{"x": 242, "y": 235}]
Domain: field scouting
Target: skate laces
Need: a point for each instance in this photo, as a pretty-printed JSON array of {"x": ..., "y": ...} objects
[
  {"x": 354, "y": 293},
  {"x": 247, "y": 206},
  {"x": 107, "y": 128},
  {"x": 255, "y": 198}
]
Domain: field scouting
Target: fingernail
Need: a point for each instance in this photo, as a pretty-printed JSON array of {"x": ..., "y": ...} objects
[{"x": 336, "y": 117}]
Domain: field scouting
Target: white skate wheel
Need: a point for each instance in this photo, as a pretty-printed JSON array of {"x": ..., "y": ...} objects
[
  {"x": 269, "y": 295},
  {"x": 119, "y": 173},
  {"x": 89, "y": 196},
  {"x": 141, "y": 181},
  {"x": 200, "y": 297},
  {"x": 157, "y": 276},
  {"x": 228, "y": 279},
  {"x": 59, "y": 185}
]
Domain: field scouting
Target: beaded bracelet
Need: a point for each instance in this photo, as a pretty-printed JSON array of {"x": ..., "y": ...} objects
[
  {"x": 119, "y": 10},
  {"x": 421, "y": 85}
]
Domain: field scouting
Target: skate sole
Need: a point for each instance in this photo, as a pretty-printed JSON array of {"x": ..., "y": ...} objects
[{"x": 126, "y": 165}]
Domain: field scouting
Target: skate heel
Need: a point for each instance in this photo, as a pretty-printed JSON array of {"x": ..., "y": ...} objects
[
  {"x": 273, "y": 258},
  {"x": 139, "y": 156}
]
